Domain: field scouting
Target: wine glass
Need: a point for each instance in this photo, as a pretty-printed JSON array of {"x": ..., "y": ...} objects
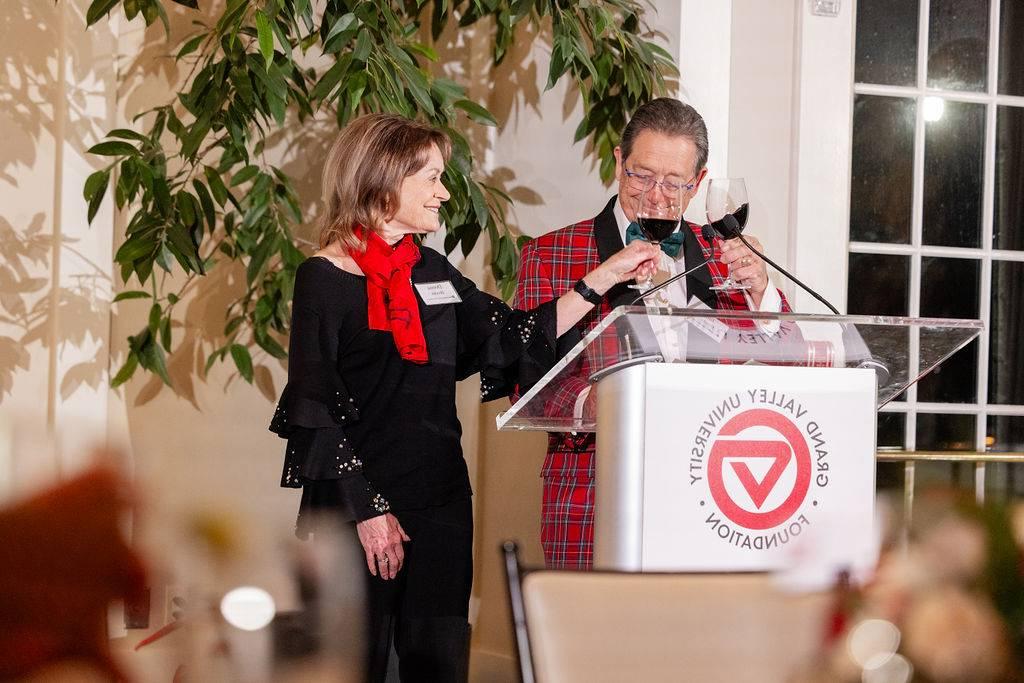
[
  {"x": 659, "y": 215},
  {"x": 727, "y": 210}
]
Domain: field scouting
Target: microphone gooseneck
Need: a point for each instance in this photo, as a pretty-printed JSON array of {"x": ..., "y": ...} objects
[
  {"x": 666, "y": 283},
  {"x": 734, "y": 224}
]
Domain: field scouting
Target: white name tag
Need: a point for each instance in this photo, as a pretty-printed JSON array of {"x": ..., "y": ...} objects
[
  {"x": 434, "y": 293},
  {"x": 715, "y": 329}
]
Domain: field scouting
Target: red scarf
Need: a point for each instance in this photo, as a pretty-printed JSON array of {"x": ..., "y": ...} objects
[{"x": 391, "y": 304}]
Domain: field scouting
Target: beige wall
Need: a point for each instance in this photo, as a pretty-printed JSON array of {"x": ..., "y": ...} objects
[
  {"x": 206, "y": 440},
  {"x": 57, "y": 92}
]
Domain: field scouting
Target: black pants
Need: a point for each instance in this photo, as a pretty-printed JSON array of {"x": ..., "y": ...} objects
[{"x": 424, "y": 609}]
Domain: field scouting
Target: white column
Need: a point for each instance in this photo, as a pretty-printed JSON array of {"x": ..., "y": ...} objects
[{"x": 819, "y": 231}]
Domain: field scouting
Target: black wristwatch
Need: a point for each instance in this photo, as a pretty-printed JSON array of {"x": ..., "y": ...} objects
[{"x": 588, "y": 294}]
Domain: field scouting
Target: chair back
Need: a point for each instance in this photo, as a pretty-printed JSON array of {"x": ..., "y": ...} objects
[{"x": 614, "y": 626}]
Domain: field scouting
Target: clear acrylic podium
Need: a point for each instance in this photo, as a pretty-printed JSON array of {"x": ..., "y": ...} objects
[{"x": 723, "y": 437}]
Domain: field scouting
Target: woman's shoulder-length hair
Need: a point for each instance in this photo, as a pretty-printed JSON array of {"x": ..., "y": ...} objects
[{"x": 365, "y": 169}]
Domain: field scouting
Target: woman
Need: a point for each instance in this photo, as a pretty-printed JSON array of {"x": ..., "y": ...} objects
[{"x": 381, "y": 330}]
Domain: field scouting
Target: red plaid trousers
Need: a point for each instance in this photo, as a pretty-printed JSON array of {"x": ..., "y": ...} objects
[{"x": 549, "y": 267}]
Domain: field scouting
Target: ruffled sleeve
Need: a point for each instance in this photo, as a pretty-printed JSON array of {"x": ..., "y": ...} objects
[
  {"x": 510, "y": 348},
  {"x": 315, "y": 407}
]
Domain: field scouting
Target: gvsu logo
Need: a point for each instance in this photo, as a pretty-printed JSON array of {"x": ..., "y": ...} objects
[
  {"x": 757, "y": 466},
  {"x": 746, "y": 502}
]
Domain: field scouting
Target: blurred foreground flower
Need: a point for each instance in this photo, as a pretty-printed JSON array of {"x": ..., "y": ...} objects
[
  {"x": 950, "y": 604},
  {"x": 62, "y": 561}
]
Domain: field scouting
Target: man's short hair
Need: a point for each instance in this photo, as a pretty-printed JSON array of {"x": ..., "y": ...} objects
[{"x": 668, "y": 116}]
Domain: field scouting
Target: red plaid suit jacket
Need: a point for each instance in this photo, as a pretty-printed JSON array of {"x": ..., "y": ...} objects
[{"x": 549, "y": 267}]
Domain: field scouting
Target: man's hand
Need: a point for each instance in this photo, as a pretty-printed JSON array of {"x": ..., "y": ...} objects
[
  {"x": 381, "y": 538},
  {"x": 745, "y": 267}
]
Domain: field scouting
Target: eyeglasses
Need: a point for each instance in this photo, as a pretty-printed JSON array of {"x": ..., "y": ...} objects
[{"x": 645, "y": 183}]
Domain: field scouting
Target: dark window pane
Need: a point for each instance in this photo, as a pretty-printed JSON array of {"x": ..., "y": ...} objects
[
  {"x": 886, "y": 42},
  {"x": 953, "y": 170},
  {"x": 949, "y": 287},
  {"x": 891, "y": 436},
  {"x": 882, "y": 169},
  {"x": 1006, "y": 334},
  {"x": 892, "y": 429},
  {"x": 1005, "y": 433},
  {"x": 1008, "y": 217},
  {"x": 1011, "y": 49},
  {"x": 945, "y": 432},
  {"x": 957, "y": 44},
  {"x": 879, "y": 284},
  {"x": 955, "y": 380}
]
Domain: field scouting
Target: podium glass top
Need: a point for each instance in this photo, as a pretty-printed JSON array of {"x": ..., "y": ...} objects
[{"x": 899, "y": 350}]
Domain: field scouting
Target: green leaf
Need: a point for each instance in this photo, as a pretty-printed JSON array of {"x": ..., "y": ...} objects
[
  {"x": 155, "y": 312},
  {"x": 207, "y": 203},
  {"x": 98, "y": 9},
  {"x": 243, "y": 175},
  {"x": 265, "y": 36},
  {"x": 185, "y": 208},
  {"x": 127, "y": 134},
  {"x": 476, "y": 112},
  {"x": 363, "y": 44},
  {"x": 131, "y": 294},
  {"x": 190, "y": 46},
  {"x": 113, "y": 148},
  {"x": 95, "y": 190},
  {"x": 136, "y": 247},
  {"x": 329, "y": 80},
  {"x": 340, "y": 26},
  {"x": 425, "y": 50},
  {"x": 151, "y": 356},
  {"x": 447, "y": 90},
  {"x": 211, "y": 359},
  {"x": 181, "y": 242},
  {"x": 243, "y": 361},
  {"x": 479, "y": 202},
  {"x": 272, "y": 347},
  {"x": 220, "y": 192},
  {"x": 165, "y": 333},
  {"x": 126, "y": 371}
]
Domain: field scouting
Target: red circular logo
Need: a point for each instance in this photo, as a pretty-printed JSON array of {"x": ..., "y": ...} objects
[{"x": 779, "y": 451}]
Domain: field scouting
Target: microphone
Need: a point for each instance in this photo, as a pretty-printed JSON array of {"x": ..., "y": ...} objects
[
  {"x": 734, "y": 226},
  {"x": 708, "y": 234},
  {"x": 853, "y": 343}
]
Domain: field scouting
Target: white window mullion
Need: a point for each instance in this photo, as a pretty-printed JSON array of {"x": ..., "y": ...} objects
[
  {"x": 917, "y": 218},
  {"x": 988, "y": 218},
  {"x": 951, "y": 95}
]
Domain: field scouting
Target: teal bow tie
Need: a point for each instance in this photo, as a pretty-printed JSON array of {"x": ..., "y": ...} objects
[{"x": 670, "y": 245}]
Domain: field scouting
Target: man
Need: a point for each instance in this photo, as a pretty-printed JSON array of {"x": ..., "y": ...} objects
[{"x": 663, "y": 148}]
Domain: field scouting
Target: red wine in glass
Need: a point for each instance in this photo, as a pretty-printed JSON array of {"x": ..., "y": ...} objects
[
  {"x": 727, "y": 210},
  {"x": 657, "y": 229},
  {"x": 731, "y": 224},
  {"x": 659, "y": 213}
]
